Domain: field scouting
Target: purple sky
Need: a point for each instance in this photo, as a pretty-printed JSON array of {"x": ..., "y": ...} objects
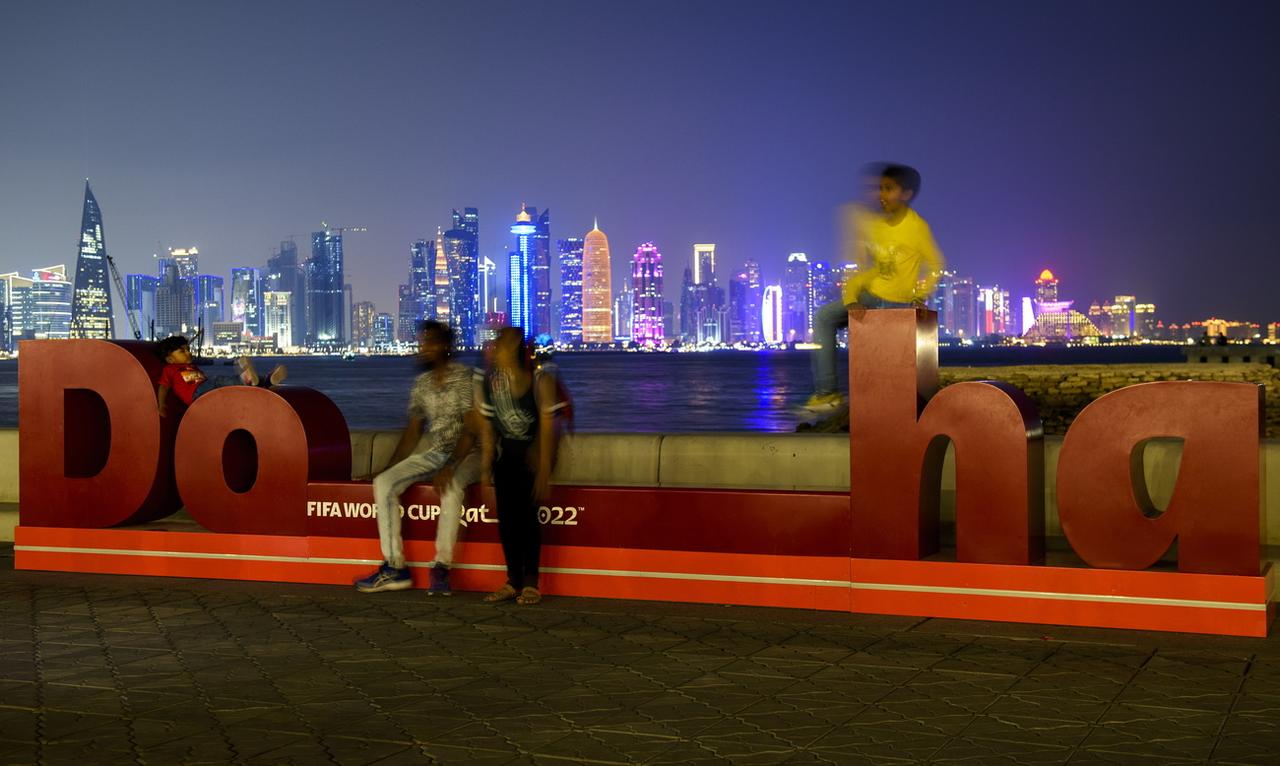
[{"x": 1130, "y": 147}]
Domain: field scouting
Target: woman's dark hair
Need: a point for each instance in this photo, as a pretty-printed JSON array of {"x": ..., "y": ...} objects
[
  {"x": 524, "y": 349},
  {"x": 905, "y": 176},
  {"x": 171, "y": 344},
  {"x": 443, "y": 332}
]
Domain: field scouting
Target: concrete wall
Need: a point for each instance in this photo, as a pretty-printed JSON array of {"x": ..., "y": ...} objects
[{"x": 816, "y": 462}]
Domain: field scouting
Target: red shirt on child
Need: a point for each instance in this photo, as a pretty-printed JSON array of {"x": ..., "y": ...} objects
[{"x": 182, "y": 379}]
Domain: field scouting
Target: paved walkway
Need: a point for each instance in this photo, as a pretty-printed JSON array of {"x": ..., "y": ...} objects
[{"x": 102, "y": 670}]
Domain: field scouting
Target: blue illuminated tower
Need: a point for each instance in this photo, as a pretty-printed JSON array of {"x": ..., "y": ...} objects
[
  {"x": 325, "y": 325},
  {"x": 462, "y": 255},
  {"x": 570, "y": 290},
  {"x": 519, "y": 274}
]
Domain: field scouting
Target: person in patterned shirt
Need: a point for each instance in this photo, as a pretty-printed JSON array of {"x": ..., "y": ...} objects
[{"x": 439, "y": 404}]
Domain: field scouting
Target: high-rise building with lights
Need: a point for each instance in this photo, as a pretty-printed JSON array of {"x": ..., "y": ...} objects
[
  {"x": 746, "y": 304},
  {"x": 704, "y": 264},
  {"x": 824, "y": 286},
  {"x": 464, "y": 290},
  {"x": 420, "y": 301},
  {"x": 91, "y": 302},
  {"x": 597, "y": 288},
  {"x": 362, "y": 315},
  {"x": 570, "y": 252},
  {"x": 176, "y": 292},
  {"x": 383, "y": 330},
  {"x": 1046, "y": 287},
  {"x": 246, "y": 299},
  {"x": 623, "y": 306},
  {"x": 284, "y": 274},
  {"x": 442, "y": 287},
  {"x": 964, "y": 308},
  {"x": 519, "y": 275},
  {"x": 140, "y": 300},
  {"x": 646, "y": 288},
  {"x": 277, "y": 316},
  {"x": 797, "y": 294},
  {"x": 771, "y": 315},
  {"x": 210, "y": 302},
  {"x": 326, "y": 323},
  {"x": 540, "y": 272}
]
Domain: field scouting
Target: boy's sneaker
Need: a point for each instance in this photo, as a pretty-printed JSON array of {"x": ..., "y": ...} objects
[
  {"x": 385, "y": 577},
  {"x": 824, "y": 404},
  {"x": 440, "y": 581}
]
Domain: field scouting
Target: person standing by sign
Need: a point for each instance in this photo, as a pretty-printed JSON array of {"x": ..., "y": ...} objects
[
  {"x": 439, "y": 402},
  {"x": 898, "y": 266},
  {"x": 520, "y": 408}
]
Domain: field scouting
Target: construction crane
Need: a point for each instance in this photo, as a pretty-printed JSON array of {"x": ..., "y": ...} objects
[
  {"x": 119, "y": 283},
  {"x": 341, "y": 229}
]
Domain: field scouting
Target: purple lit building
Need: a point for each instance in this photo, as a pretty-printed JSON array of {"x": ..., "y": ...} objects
[{"x": 646, "y": 286}]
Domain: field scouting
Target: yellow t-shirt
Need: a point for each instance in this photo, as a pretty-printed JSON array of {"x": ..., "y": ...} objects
[{"x": 896, "y": 263}]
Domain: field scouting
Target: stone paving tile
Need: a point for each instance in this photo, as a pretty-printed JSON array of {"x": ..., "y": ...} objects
[{"x": 97, "y": 669}]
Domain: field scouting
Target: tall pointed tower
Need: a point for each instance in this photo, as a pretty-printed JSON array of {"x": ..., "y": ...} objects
[
  {"x": 597, "y": 288},
  {"x": 91, "y": 299}
]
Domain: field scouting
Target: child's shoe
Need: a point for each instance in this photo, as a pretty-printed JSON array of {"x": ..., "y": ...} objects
[
  {"x": 823, "y": 404},
  {"x": 440, "y": 581},
  {"x": 386, "y": 577}
]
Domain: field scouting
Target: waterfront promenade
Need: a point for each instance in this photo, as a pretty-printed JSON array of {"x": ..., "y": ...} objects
[{"x": 106, "y": 669}]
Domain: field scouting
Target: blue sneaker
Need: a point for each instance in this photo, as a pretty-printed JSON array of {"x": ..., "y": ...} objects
[
  {"x": 385, "y": 577},
  {"x": 440, "y": 581}
]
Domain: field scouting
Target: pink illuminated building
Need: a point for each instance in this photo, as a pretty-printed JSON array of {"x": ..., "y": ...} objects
[{"x": 646, "y": 285}]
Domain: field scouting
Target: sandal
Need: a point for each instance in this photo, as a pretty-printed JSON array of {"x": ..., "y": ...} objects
[
  {"x": 529, "y": 595},
  {"x": 505, "y": 593}
]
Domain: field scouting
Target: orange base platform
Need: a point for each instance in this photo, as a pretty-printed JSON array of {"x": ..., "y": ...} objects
[{"x": 1150, "y": 600}]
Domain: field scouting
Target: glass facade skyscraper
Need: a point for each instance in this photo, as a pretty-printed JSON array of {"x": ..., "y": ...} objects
[
  {"x": 519, "y": 274},
  {"x": 797, "y": 295},
  {"x": 646, "y": 291},
  {"x": 326, "y": 325},
  {"x": 209, "y": 302},
  {"x": 246, "y": 299},
  {"x": 140, "y": 300},
  {"x": 570, "y": 251},
  {"x": 464, "y": 295},
  {"x": 540, "y": 273},
  {"x": 91, "y": 302},
  {"x": 285, "y": 275}
]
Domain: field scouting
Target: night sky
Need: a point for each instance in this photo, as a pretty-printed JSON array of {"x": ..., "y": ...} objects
[{"x": 1130, "y": 147}]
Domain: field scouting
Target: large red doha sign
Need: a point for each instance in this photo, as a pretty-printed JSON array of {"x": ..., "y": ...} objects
[{"x": 252, "y": 464}]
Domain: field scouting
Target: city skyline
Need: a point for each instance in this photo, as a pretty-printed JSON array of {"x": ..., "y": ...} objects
[{"x": 1024, "y": 176}]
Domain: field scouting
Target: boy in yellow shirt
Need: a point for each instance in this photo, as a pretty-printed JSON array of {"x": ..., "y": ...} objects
[{"x": 898, "y": 267}]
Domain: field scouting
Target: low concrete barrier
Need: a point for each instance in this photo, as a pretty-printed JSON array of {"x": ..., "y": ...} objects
[{"x": 812, "y": 462}]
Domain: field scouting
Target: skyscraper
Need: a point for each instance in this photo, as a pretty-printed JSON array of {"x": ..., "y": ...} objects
[
  {"x": 540, "y": 277},
  {"x": 623, "y": 307},
  {"x": 597, "y": 288},
  {"x": 519, "y": 275},
  {"x": 246, "y": 299},
  {"x": 140, "y": 300},
  {"x": 771, "y": 315},
  {"x": 745, "y": 296},
  {"x": 326, "y": 323},
  {"x": 646, "y": 288},
  {"x": 421, "y": 287},
  {"x": 464, "y": 289},
  {"x": 362, "y": 315},
  {"x": 91, "y": 302},
  {"x": 704, "y": 264},
  {"x": 277, "y": 314},
  {"x": 209, "y": 300},
  {"x": 48, "y": 313},
  {"x": 797, "y": 306},
  {"x": 824, "y": 287},
  {"x": 570, "y": 251},
  {"x": 487, "y": 271},
  {"x": 441, "y": 287},
  {"x": 689, "y": 301},
  {"x": 176, "y": 293},
  {"x": 407, "y": 316},
  {"x": 286, "y": 275},
  {"x": 382, "y": 330},
  {"x": 964, "y": 307},
  {"x": 1046, "y": 287}
]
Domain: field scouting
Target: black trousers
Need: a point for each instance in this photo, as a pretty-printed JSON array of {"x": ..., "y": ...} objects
[{"x": 518, "y": 526}]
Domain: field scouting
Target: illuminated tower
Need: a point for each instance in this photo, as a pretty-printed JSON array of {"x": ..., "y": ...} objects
[
  {"x": 570, "y": 251},
  {"x": 646, "y": 289},
  {"x": 1046, "y": 287},
  {"x": 246, "y": 300},
  {"x": 91, "y": 299},
  {"x": 464, "y": 270},
  {"x": 540, "y": 272},
  {"x": 771, "y": 315},
  {"x": 326, "y": 318},
  {"x": 519, "y": 275},
  {"x": 597, "y": 288},
  {"x": 704, "y": 264},
  {"x": 797, "y": 302},
  {"x": 440, "y": 281}
]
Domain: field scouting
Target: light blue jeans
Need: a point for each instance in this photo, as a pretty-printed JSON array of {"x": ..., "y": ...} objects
[{"x": 829, "y": 319}]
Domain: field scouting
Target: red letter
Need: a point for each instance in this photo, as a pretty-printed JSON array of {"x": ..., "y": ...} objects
[
  {"x": 1213, "y": 514},
  {"x": 94, "y": 452},
  {"x": 245, "y": 454},
  {"x": 896, "y": 460}
]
